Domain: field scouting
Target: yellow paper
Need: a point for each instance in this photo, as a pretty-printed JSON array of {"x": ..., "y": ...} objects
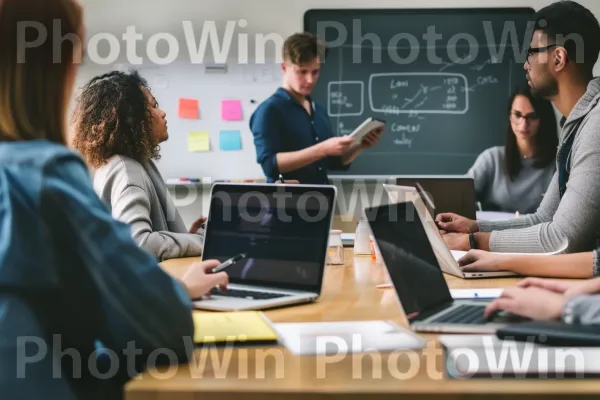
[
  {"x": 198, "y": 141},
  {"x": 238, "y": 326}
]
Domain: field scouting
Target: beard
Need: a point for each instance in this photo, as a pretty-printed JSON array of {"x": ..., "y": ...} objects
[{"x": 546, "y": 88}]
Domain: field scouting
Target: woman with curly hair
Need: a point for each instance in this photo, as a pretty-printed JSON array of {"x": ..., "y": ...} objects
[{"x": 118, "y": 127}]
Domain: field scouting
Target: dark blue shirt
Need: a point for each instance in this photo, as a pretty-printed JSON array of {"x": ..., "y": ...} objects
[{"x": 280, "y": 125}]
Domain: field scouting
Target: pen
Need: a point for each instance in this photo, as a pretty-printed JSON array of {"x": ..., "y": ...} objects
[
  {"x": 281, "y": 178},
  {"x": 229, "y": 263}
]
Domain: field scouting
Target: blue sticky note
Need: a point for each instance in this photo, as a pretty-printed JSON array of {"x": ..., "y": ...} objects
[{"x": 230, "y": 140}]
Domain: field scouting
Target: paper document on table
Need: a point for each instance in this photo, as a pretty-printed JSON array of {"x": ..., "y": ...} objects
[
  {"x": 475, "y": 293},
  {"x": 462, "y": 294},
  {"x": 495, "y": 216},
  {"x": 486, "y": 353},
  {"x": 349, "y": 337}
]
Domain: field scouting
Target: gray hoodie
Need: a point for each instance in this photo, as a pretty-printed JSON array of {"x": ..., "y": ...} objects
[{"x": 576, "y": 218}]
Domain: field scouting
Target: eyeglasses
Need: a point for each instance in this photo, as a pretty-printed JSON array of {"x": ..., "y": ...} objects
[
  {"x": 517, "y": 117},
  {"x": 535, "y": 50}
]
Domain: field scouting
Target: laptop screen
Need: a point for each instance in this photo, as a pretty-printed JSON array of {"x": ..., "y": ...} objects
[
  {"x": 449, "y": 194},
  {"x": 426, "y": 199},
  {"x": 408, "y": 257},
  {"x": 284, "y": 231}
]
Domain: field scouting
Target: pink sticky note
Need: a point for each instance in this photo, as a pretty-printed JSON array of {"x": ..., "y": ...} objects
[{"x": 231, "y": 110}]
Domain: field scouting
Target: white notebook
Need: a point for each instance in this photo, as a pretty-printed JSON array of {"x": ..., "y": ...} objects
[
  {"x": 363, "y": 129},
  {"x": 305, "y": 338}
]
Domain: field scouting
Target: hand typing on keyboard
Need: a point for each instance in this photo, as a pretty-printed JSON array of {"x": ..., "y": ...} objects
[{"x": 531, "y": 302}]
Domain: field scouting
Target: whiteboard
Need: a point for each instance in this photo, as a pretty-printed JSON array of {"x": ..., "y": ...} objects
[{"x": 249, "y": 83}]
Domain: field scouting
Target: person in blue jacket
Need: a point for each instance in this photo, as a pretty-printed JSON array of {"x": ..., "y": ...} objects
[{"x": 82, "y": 307}]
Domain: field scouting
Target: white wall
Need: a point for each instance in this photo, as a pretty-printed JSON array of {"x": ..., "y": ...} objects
[
  {"x": 264, "y": 16},
  {"x": 280, "y": 17}
]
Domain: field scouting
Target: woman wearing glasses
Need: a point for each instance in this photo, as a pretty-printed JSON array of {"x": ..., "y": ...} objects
[{"x": 514, "y": 177}]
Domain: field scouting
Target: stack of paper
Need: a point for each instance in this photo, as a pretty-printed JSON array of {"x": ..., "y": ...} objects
[
  {"x": 488, "y": 356},
  {"x": 346, "y": 337}
]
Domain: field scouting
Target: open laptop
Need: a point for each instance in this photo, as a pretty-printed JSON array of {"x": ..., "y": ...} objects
[
  {"x": 426, "y": 199},
  {"x": 418, "y": 280},
  {"x": 446, "y": 258},
  {"x": 449, "y": 194},
  {"x": 284, "y": 231}
]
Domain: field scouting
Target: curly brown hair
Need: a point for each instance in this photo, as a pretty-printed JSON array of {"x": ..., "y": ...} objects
[{"x": 113, "y": 117}]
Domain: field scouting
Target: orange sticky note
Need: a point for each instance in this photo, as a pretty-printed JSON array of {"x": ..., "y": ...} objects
[{"x": 189, "y": 108}]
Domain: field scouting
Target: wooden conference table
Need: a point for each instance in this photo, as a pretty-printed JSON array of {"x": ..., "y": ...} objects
[{"x": 349, "y": 294}]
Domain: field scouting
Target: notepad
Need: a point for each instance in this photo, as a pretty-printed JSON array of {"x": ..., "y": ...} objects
[
  {"x": 487, "y": 356},
  {"x": 364, "y": 128},
  {"x": 313, "y": 338},
  {"x": 239, "y": 327}
]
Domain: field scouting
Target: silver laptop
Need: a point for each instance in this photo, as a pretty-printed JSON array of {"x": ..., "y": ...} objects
[
  {"x": 446, "y": 258},
  {"x": 284, "y": 231},
  {"x": 418, "y": 280}
]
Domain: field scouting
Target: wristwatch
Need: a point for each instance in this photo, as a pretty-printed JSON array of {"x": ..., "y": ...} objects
[{"x": 472, "y": 241}]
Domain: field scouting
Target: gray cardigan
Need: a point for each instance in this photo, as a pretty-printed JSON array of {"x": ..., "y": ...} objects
[
  {"x": 576, "y": 218},
  {"x": 137, "y": 195}
]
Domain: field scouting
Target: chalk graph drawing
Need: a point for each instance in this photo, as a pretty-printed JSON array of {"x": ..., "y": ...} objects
[
  {"x": 337, "y": 98},
  {"x": 454, "y": 84}
]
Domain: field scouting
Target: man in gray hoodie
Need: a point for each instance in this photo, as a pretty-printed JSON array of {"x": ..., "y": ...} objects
[{"x": 562, "y": 53}]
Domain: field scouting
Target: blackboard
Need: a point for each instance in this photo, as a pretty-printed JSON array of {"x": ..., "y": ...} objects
[{"x": 440, "y": 78}]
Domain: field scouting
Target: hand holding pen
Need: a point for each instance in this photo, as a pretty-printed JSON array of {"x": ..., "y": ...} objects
[{"x": 199, "y": 279}]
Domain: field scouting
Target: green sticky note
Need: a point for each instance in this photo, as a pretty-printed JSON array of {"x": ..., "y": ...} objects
[{"x": 198, "y": 141}]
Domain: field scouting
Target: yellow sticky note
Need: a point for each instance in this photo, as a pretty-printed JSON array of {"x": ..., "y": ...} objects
[{"x": 198, "y": 141}]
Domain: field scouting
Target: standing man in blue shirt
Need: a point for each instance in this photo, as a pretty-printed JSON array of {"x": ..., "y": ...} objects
[{"x": 292, "y": 134}]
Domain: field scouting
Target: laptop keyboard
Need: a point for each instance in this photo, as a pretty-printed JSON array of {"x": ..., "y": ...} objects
[
  {"x": 247, "y": 294},
  {"x": 463, "y": 314}
]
